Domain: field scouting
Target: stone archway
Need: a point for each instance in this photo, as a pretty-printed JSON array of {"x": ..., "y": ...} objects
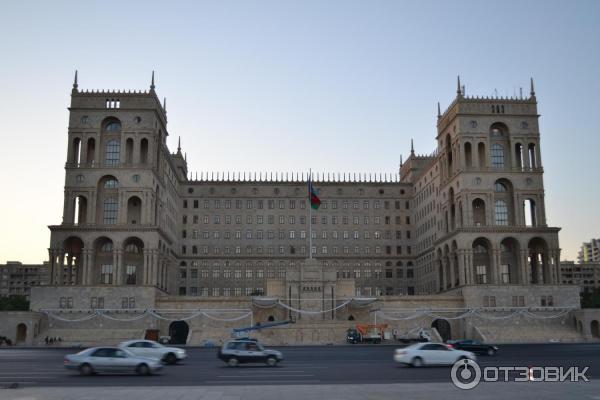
[
  {"x": 21, "y": 333},
  {"x": 595, "y": 329},
  {"x": 443, "y": 328},
  {"x": 178, "y": 330}
]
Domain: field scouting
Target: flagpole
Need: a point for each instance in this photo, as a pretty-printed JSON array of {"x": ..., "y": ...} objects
[{"x": 309, "y": 215}]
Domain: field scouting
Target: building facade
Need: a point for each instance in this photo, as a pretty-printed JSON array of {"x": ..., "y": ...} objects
[
  {"x": 17, "y": 279},
  {"x": 589, "y": 252},
  {"x": 469, "y": 214},
  {"x": 585, "y": 275}
]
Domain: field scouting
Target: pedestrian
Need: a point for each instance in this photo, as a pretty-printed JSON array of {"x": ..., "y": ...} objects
[{"x": 46, "y": 340}]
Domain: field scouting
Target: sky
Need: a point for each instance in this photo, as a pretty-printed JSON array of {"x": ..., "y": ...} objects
[{"x": 336, "y": 86}]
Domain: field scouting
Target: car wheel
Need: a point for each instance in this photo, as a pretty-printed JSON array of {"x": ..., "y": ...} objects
[
  {"x": 417, "y": 362},
  {"x": 271, "y": 361},
  {"x": 142, "y": 369},
  {"x": 491, "y": 351},
  {"x": 233, "y": 362},
  {"x": 86, "y": 369},
  {"x": 170, "y": 358}
]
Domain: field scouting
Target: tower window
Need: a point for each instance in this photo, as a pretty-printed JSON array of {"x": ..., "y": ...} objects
[
  {"x": 113, "y": 152},
  {"x": 497, "y": 156}
]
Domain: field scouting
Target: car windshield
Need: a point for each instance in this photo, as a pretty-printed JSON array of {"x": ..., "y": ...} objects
[{"x": 157, "y": 345}]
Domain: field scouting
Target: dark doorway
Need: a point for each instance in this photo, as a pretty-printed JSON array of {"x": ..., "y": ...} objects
[
  {"x": 21, "y": 333},
  {"x": 595, "y": 328},
  {"x": 178, "y": 330},
  {"x": 443, "y": 328}
]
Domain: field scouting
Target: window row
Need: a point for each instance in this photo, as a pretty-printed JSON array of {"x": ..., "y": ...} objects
[
  {"x": 282, "y": 235},
  {"x": 291, "y": 250},
  {"x": 292, "y": 219},
  {"x": 291, "y": 204}
]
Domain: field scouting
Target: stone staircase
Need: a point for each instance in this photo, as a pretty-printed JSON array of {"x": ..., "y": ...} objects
[{"x": 529, "y": 334}]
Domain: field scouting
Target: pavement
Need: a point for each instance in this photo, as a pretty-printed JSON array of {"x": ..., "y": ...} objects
[
  {"x": 323, "y": 372},
  {"x": 489, "y": 391}
]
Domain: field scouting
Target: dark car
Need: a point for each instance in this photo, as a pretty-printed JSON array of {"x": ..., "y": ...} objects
[
  {"x": 353, "y": 336},
  {"x": 236, "y": 352},
  {"x": 474, "y": 346}
]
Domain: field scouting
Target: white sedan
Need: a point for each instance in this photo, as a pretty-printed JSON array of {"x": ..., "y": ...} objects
[
  {"x": 421, "y": 354},
  {"x": 151, "y": 349}
]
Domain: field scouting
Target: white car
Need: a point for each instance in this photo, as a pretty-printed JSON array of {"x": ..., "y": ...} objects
[
  {"x": 420, "y": 354},
  {"x": 151, "y": 349}
]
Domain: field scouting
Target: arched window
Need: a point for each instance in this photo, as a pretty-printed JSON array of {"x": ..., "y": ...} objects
[
  {"x": 91, "y": 150},
  {"x": 468, "y": 155},
  {"x": 529, "y": 212},
  {"x": 501, "y": 212},
  {"x": 112, "y": 126},
  {"x": 111, "y": 209},
  {"x": 478, "y": 212},
  {"x": 481, "y": 155},
  {"x": 129, "y": 150},
  {"x": 499, "y": 187},
  {"x": 519, "y": 155},
  {"x": 76, "y": 158},
  {"x": 113, "y": 152},
  {"x": 144, "y": 151},
  {"x": 497, "y": 155},
  {"x": 532, "y": 156},
  {"x": 132, "y": 248},
  {"x": 111, "y": 183}
]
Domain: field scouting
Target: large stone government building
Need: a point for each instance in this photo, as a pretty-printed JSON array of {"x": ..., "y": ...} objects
[
  {"x": 471, "y": 213},
  {"x": 461, "y": 228}
]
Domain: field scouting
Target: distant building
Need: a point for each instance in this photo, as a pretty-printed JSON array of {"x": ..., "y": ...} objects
[
  {"x": 590, "y": 252},
  {"x": 586, "y": 275},
  {"x": 17, "y": 278}
]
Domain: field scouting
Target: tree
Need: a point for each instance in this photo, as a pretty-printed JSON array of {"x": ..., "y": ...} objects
[
  {"x": 590, "y": 298},
  {"x": 14, "y": 303}
]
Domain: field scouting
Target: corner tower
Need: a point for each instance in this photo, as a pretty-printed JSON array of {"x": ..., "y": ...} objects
[
  {"x": 492, "y": 225},
  {"x": 120, "y": 192}
]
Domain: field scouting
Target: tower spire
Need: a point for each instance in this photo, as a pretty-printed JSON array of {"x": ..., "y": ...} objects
[
  {"x": 152, "y": 82},
  {"x": 532, "y": 88},
  {"x": 179, "y": 145},
  {"x": 75, "y": 85},
  {"x": 458, "y": 88},
  {"x": 412, "y": 147},
  {"x": 439, "y": 111},
  {"x": 165, "y": 105}
]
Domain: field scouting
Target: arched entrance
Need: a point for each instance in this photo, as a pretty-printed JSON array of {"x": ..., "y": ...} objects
[
  {"x": 178, "y": 330},
  {"x": 595, "y": 328},
  {"x": 443, "y": 328},
  {"x": 21, "y": 333}
]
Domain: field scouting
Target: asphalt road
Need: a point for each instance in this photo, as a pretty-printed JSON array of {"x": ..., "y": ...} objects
[{"x": 358, "y": 364}]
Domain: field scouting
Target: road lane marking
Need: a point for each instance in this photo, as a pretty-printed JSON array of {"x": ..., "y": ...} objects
[
  {"x": 263, "y": 376},
  {"x": 279, "y": 381}
]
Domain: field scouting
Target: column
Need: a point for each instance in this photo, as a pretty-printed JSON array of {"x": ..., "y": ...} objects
[
  {"x": 557, "y": 266},
  {"x": 119, "y": 268},
  {"x": 155, "y": 264},
  {"x": 90, "y": 267},
  {"x": 451, "y": 267},
  {"x": 52, "y": 259},
  {"x": 61, "y": 267},
  {"x": 146, "y": 267},
  {"x": 84, "y": 266},
  {"x": 525, "y": 268},
  {"x": 461, "y": 267},
  {"x": 469, "y": 267},
  {"x": 497, "y": 262},
  {"x": 444, "y": 272},
  {"x": 114, "y": 264}
]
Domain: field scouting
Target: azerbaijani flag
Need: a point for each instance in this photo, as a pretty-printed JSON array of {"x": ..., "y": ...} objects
[{"x": 315, "y": 202}]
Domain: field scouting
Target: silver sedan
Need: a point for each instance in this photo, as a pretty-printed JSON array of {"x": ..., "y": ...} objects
[{"x": 112, "y": 360}]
